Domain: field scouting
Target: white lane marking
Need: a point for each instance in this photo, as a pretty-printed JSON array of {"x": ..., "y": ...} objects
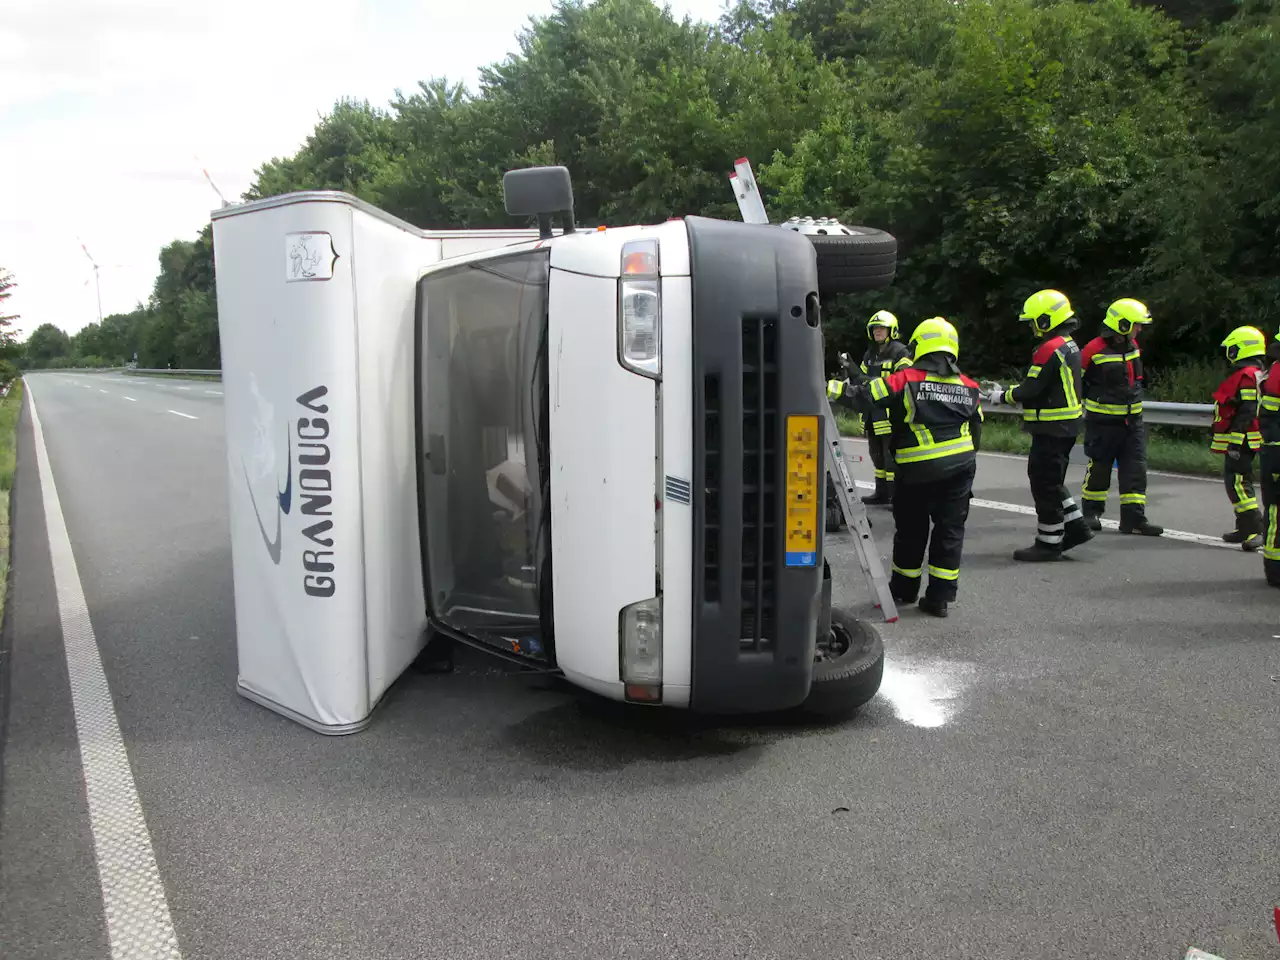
[
  {"x": 184, "y": 388},
  {"x": 1183, "y": 535},
  {"x": 131, "y": 398},
  {"x": 214, "y": 393},
  {"x": 137, "y": 913},
  {"x": 100, "y": 390},
  {"x": 187, "y": 415}
]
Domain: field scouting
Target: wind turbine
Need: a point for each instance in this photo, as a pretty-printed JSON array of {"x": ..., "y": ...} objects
[
  {"x": 96, "y": 281},
  {"x": 205, "y": 171}
]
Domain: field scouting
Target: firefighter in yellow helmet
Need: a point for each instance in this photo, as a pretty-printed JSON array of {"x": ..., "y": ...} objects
[
  {"x": 1114, "y": 431},
  {"x": 1235, "y": 430},
  {"x": 1269, "y": 462},
  {"x": 935, "y": 415},
  {"x": 1051, "y": 413},
  {"x": 885, "y": 355}
]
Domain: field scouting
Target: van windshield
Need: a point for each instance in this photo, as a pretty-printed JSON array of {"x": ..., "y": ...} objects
[{"x": 482, "y": 422}]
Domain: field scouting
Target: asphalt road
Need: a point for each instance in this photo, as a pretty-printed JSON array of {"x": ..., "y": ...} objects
[{"x": 1081, "y": 761}]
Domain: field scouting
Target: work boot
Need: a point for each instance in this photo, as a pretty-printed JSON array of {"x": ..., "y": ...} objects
[
  {"x": 1076, "y": 533},
  {"x": 935, "y": 608},
  {"x": 1092, "y": 511},
  {"x": 1139, "y": 524},
  {"x": 1248, "y": 531},
  {"x": 881, "y": 494},
  {"x": 1038, "y": 552}
]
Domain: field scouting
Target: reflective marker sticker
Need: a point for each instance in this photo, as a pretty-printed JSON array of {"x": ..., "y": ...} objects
[{"x": 802, "y": 491}]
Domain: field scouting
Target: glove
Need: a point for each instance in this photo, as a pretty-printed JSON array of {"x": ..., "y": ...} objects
[
  {"x": 995, "y": 395},
  {"x": 1233, "y": 451},
  {"x": 835, "y": 389}
]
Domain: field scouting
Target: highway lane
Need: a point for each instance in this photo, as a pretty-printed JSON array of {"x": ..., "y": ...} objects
[{"x": 1079, "y": 761}]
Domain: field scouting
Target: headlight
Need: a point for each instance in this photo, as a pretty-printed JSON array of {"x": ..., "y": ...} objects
[
  {"x": 640, "y": 309},
  {"x": 640, "y": 649}
]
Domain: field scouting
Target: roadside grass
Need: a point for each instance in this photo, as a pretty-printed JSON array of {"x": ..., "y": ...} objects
[
  {"x": 1173, "y": 449},
  {"x": 10, "y": 407}
]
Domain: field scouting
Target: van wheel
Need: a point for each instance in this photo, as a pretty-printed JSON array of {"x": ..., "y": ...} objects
[
  {"x": 864, "y": 259},
  {"x": 848, "y": 667}
]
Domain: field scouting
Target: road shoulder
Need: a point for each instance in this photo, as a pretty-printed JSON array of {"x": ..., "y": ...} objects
[{"x": 48, "y": 872}]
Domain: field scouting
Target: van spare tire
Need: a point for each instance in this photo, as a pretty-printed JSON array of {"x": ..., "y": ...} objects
[
  {"x": 848, "y": 668},
  {"x": 850, "y": 259}
]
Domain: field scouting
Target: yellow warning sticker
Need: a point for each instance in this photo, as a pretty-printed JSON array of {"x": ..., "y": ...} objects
[{"x": 802, "y": 491}]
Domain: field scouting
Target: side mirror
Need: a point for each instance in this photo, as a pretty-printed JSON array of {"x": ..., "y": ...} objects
[{"x": 539, "y": 192}]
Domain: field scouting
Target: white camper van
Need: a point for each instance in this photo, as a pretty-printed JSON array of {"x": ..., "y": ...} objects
[{"x": 598, "y": 451}]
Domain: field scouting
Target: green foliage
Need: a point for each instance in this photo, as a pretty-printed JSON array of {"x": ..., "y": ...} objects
[
  {"x": 9, "y": 347},
  {"x": 1109, "y": 149}
]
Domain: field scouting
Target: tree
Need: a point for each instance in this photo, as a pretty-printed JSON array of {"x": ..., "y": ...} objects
[
  {"x": 9, "y": 346},
  {"x": 46, "y": 345}
]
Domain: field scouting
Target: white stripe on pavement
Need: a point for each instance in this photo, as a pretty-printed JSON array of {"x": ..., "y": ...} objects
[
  {"x": 214, "y": 393},
  {"x": 136, "y": 911},
  {"x": 1183, "y": 535},
  {"x": 131, "y": 398},
  {"x": 100, "y": 390},
  {"x": 187, "y": 415}
]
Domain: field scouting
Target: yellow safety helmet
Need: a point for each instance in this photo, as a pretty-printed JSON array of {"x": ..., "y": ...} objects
[
  {"x": 934, "y": 335},
  {"x": 883, "y": 318},
  {"x": 1047, "y": 309},
  {"x": 1244, "y": 342},
  {"x": 1125, "y": 314}
]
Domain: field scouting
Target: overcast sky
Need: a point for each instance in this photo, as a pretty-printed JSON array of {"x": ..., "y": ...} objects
[{"x": 106, "y": 104}]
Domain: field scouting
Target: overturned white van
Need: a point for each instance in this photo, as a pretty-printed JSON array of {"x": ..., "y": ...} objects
[{"x": 597, "y": 451}]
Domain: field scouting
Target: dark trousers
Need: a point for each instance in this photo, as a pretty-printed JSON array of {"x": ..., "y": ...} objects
[
  {"x": 1269, "y": 467},
  {"x": 1047, "y": 470},
  {"x": 881, "y": 454},
  {"x": 1124, "y": 444},
  {"x": 945, "y": 502},
  {"x": 1237, "y": 476}
]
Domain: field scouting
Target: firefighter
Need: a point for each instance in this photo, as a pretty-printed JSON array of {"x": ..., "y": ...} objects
[
  {"x": 1051, "y": 414},
  {"x": 885, "y": 355},
  {"x": 1235, "y": 431},
  {"x": 935, "y": 417},
  {"x": 1269, "y": 463},
  {"x": 1114, "y": 431}
]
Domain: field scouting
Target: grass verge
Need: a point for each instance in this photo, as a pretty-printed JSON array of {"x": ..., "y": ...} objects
[
  {"x": 1174, "y": 449},
  {"x": 10, "y": 407}
]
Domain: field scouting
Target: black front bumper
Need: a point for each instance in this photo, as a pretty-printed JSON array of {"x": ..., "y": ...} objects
[{"x": 757, "y": 358}]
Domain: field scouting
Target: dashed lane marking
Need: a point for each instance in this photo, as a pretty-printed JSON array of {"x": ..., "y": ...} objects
[
  {"x": 187, "y": 415},
  {"x": 137, "y": 913},
  {"x": 214, "y": 393},
  {"x": 131, "y": 399}
]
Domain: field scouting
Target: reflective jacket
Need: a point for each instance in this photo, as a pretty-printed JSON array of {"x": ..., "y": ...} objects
[
  {"x": 1235, "y": 407},
  {"x": 1269, "y": 407},
  {"x": 881, "y": 360},
  {"x": 935, "y": 413},
  {"x": 1050, "y": 392},
  {"x": 1112, "y": 380}
]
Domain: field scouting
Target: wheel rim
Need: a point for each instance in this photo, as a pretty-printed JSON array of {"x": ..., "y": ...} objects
[{"x": 835, "y": 645}]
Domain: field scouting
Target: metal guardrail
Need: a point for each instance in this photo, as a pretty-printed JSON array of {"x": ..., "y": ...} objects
[
  {"x": 167, "y": 372},
  {"x": 1153, "y": 411}
]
